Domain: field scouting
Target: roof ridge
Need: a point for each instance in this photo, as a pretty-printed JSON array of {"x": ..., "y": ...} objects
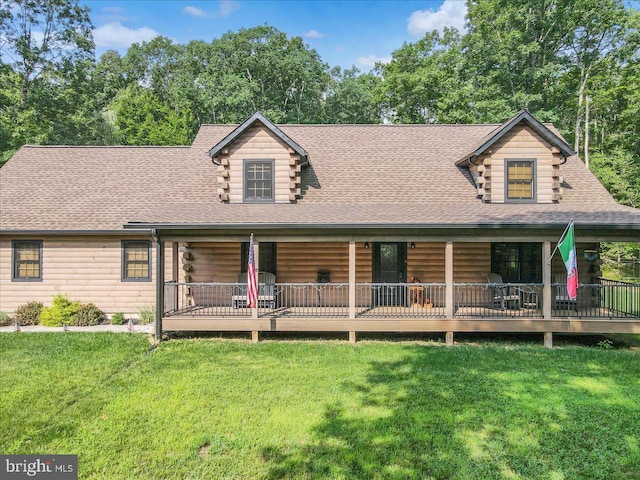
[
  {"x": 105, "y": 146},
  {"x": 315, "y": 125}
]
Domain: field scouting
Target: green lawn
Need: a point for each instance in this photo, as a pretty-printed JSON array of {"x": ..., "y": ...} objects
[{"x": 210, "y": 408}]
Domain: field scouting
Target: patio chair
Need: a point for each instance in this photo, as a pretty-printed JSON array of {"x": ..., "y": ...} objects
[
  {"x": 266, "y": 290},
  {"x": 503, "y": 294},
  {"x": 561, "y": 295}
]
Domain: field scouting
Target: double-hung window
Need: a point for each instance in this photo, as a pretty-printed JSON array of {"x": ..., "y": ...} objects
[
  {"x": 259, "y": 181},
  {"x": 27, "y": 260},
  {"x": 136, "y": 261},
  {"x": 520, "y": 180}
]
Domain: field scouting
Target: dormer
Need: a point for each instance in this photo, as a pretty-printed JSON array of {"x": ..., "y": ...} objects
[
  {"x": 258, "y": 163},
  {"x": 519, "y": 162}
]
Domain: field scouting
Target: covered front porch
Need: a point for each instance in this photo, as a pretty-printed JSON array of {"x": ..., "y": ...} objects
[{"x": 453, "y": 294}]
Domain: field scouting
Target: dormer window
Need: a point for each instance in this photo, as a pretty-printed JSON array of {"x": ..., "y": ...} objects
[
  {"x": 520, "y": 180},
  {"x": 259, "y": 181}
]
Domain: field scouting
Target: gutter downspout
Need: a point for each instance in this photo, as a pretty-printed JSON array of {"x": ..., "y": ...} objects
[{"x": 159, "y": 283}]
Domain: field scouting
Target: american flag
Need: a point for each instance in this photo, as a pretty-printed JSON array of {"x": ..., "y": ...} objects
[{"x": 252, "y": 278}]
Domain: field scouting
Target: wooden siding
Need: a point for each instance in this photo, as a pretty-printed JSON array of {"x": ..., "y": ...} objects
[
  {"x": 426, "y": 262},
  {"x": 258, "y": 142},
  {"x": 471, "y": 262},
  {"x": 215, "y": 262},
  {"x": 522, "y": 142},
  {"x": 299, "y": 262},
  {"x": 86, "y": 269}
]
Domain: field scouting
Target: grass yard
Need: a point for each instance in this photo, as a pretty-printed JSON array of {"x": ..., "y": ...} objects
[{"x": 209, "y": 408}]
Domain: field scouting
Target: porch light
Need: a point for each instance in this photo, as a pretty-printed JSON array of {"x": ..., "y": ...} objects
[
  {"x": 366, "y": 245},
  {"x": 413, "y": 245}
]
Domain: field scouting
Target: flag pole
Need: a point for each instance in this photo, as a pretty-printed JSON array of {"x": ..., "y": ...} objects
[{"x": 560, "y": 241}]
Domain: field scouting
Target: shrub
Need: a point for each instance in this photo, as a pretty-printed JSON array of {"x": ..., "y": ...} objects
[
  {"x": 118, "y": 319},
  {"x": 29, "y": 313},
  {"x": 5, "y": 319},
  {"x": 88, "y": 315},
  {"x": 62, "y": 311},
  {"x": 147, "y": 315}
]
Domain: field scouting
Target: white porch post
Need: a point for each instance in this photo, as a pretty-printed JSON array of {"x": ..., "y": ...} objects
[
  {"x": 352, "y": 279},
  {"x": 174, "y": 274},
  {"x": 546, "y": 280},
  {"x": 546, "y": 290},
  {"x": 174, "y": 261},
  {"x": 256, "y": 257},
  {"x": 448, "y": 280},
  {"x": 352, "y": 287}
]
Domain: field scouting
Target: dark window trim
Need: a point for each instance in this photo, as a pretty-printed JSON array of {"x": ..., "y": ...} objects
[
  {"x": 534, "y": 183},
  {"x": 245, "y": 166},
  {"x": 263, "y": 258},
  {"x": 123, "y": 269},
  {"x": 14, "y": 260},
  {"x": 534, "y": 250}
]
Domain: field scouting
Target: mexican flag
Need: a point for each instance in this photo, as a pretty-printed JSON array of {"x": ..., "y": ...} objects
[{"x": 567, "y": 249}]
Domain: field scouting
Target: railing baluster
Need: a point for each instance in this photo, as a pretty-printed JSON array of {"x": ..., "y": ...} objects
[{"x": 608, "y": 299}]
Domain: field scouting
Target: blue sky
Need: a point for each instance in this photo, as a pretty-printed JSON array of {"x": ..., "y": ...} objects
[{"x": 345, "y": 33}]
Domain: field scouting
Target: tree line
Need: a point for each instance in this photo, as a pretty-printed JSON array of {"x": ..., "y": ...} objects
[{"x": 575, "y": 63}]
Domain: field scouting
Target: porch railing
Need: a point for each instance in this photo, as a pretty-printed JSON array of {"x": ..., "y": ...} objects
[
  {"x": 203, "y": 299},
  {"x": 408, "y": 300},
  {"x": 606, "y": 300},
  {"x": 621, "y": 297},
  {"x": 311, "y": 300},
  {"x": 508, "y": 300}
]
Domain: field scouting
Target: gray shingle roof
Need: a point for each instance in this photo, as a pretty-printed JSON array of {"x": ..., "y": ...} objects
[{"x": 359, "y": 175}]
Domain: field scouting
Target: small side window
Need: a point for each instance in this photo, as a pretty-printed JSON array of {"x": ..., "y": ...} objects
[
  {"x": 136, "y": 261},
  {"x": 27, "y": 260}
]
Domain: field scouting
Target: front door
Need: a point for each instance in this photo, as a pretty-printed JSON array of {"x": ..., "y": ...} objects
[{"x": 389, "y": 266}]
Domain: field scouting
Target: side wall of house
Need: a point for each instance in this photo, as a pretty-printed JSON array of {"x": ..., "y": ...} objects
[
  {"x": 523, "y": 142},
  {"x": 86, "y": 269}
]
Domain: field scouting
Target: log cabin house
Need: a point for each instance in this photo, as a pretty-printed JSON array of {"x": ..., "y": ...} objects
[{"x": 364, "y": 228}]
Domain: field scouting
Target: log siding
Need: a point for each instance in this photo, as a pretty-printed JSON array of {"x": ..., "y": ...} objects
[
  {"x": 258, "y": 143},
  {"x": 87, "y": 269},
  {"x": 519, "y": 143}
]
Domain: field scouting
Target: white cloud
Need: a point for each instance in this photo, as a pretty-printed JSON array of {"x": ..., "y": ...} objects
[
  {"x": 195, "y": 11},
  {"x": 112, "y": 9},
  {"x": 115, "y": 34},
  {"x": 371, "y": 60},
  {"x": 112, "y": 14},
  {"x": 227, "y": 7},
  {"x": 450, "y": 14},
  {"x": 314, "y": 34}
]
